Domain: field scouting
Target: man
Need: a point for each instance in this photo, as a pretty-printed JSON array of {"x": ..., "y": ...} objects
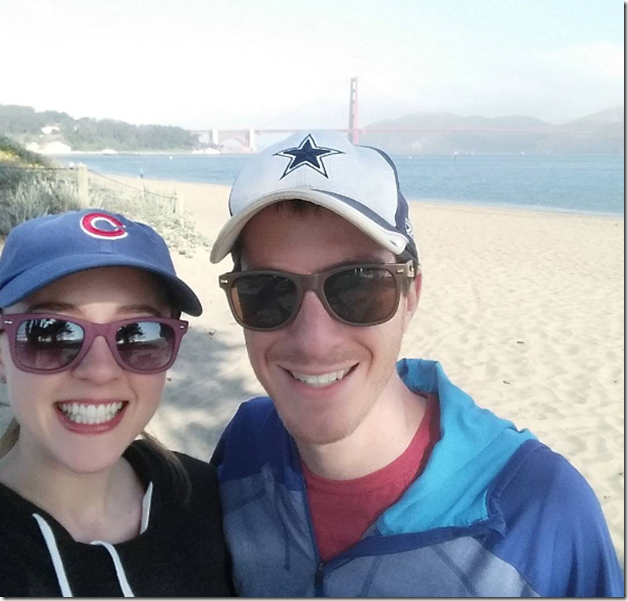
[{"x": 360, "y": 475}]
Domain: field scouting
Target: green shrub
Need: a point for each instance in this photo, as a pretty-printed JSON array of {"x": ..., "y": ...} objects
[
  {"x": 29, "y": 187},
  {"x": 32, "y": 197}
]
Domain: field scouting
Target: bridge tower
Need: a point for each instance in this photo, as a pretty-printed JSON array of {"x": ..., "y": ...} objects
[
  {"x": 251, "y": 139},
  {"x": 353, "y": 111}
]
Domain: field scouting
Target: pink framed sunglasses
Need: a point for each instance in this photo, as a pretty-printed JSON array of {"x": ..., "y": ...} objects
[{"x": 43, "y": 343}]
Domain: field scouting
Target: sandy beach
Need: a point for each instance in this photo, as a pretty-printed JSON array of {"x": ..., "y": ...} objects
[{"x": 524, "y": 309}]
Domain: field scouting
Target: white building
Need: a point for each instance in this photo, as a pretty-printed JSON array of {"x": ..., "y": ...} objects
[
  {"x": 49, "y": 129},
  {"x": 50, "y": 148}
]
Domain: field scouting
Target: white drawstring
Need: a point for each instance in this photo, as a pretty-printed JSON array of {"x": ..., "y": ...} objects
[
  {"x": 53, "y": 550},
  {"x": 124, "y": 584},
  {"x": 146, "y": 502},
  {"x": 51, "y": 543}
]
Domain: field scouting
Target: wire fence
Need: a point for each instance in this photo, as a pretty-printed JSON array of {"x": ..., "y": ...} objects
[
  {"x": 100, "y": 176},
  {"x": 105, "y": 191},
  {"x": 94, "y": 189}
]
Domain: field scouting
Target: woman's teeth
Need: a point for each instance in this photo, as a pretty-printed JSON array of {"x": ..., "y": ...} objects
[
  {"x": 90, "y": 414},
  {"x": 322, "y": 380}
]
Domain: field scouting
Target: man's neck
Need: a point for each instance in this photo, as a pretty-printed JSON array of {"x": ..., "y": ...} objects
[{"x": 383, "y": 435}]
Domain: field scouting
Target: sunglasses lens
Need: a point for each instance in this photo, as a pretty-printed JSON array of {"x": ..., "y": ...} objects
[
  {"x": 363, "y": 295},
  {"x": 46, "y": 344},
  {"x": 263, "y": 301},
  {"x": 146, "y": 345}
]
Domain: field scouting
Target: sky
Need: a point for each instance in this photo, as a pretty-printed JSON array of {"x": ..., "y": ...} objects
[{"x": 287, "y": 63}]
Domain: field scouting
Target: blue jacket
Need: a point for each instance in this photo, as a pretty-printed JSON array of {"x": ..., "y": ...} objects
[{"x": 495, "y": 513}]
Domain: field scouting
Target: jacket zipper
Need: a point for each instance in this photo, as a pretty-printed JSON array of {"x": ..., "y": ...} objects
[{"x": 318, "y": 579}]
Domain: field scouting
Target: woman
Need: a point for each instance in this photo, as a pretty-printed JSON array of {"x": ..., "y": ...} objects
[{"x": 89, "y": 324}]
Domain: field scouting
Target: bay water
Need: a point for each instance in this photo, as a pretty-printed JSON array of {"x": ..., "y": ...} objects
[{"x": 574, "y": 183}]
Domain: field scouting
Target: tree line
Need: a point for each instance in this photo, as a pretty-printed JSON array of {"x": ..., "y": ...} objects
[{"x": 24, "y": 124}]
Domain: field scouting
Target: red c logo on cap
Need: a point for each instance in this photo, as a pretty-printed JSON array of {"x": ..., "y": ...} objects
[{"x": 90, "y": 225}]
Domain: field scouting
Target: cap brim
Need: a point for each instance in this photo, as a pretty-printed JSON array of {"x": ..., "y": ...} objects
[
  {"x": 45, "y": 273},
  {"x": 388, "y": 238}
]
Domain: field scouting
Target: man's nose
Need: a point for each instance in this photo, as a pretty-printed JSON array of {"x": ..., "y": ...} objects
[{"x": 314, "y": 326}]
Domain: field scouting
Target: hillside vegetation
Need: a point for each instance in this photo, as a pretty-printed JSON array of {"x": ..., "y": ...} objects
[{"x": 24, "y": 124}]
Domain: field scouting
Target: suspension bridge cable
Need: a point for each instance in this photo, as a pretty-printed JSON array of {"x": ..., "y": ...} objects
[
  {"x": 415, "y": 108},
  {"x": 302, "y": 107}
]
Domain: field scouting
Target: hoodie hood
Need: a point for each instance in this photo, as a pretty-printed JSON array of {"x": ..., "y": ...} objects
[{"x": 475, "y": 445}]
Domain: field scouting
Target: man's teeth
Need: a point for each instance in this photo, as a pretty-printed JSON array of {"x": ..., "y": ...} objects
[
  {"x": 322, "y": 380},
  {"x": 90, "y": 414}
]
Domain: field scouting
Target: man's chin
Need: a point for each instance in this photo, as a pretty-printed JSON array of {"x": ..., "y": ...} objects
[{"x": 311, "y": 434}]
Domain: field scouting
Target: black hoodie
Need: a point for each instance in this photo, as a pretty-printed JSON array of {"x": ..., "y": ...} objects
[{"x": 179, "y": 553}]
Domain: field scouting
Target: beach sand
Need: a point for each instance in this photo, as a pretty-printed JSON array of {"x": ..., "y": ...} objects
[{"x": 524, "y": 310}]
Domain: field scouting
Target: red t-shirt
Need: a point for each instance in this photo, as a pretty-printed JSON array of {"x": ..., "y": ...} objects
[{"x": 342, "y": 510}]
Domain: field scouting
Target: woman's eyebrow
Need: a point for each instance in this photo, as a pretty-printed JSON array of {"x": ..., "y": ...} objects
[
  {"x": 58, "y": 307},
  {"x": 140, "y": 308},
  {"x": 52, "y": 306}
]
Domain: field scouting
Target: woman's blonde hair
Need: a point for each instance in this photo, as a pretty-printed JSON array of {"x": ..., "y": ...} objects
[{"x": 9, "y": 438}]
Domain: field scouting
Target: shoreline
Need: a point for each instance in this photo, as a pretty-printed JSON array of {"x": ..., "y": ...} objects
[
  {"x": 428, "y": 201},
  {"x": 516, "y": 207}
]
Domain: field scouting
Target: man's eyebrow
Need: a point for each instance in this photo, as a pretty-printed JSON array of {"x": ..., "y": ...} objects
[
  {"x": 360, "y": 260},
  {"x": 364, "y": 259}
]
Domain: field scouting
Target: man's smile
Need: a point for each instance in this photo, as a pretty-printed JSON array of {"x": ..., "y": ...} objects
[{"x": 320, "y": 380}]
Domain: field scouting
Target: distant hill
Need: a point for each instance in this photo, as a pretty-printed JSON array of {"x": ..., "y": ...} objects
[
  {"x": 27, "y": 126},
  {"x": 613, "y": 116},
  {"x": 598, "y": 133}
]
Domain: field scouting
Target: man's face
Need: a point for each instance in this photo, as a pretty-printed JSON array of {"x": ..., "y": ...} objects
[{"x": 357, "y": 362}]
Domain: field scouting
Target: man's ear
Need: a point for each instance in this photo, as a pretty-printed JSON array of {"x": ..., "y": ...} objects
[{"x": 412, "y": 300}]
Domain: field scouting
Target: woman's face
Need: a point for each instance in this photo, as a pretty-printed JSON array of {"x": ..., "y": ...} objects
[{"x": 123, "y": 401}]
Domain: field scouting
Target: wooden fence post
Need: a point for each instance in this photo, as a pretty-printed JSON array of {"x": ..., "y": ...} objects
[
  {"x": 82, "y": 182},
  {"x": 178, "y": 204}
]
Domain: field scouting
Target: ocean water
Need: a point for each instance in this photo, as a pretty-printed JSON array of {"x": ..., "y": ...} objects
[{"x": 589, "y": 183}]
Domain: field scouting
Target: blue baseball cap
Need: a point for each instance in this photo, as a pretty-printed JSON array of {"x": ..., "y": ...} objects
[
  {"x": 42, "y": 250},
  {"x": 359, "y": 183}
]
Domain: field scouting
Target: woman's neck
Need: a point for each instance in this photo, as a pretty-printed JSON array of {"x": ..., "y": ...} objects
[{"x": 104, "y": 505}]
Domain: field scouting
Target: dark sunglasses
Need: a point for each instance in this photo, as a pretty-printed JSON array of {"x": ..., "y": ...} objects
[
  {"x": 43, "y": 343},
  {"x": 357, "y": 295}
]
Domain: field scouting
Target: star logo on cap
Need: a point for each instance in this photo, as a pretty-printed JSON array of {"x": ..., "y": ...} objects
[{"x": 307, "y": 154}]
